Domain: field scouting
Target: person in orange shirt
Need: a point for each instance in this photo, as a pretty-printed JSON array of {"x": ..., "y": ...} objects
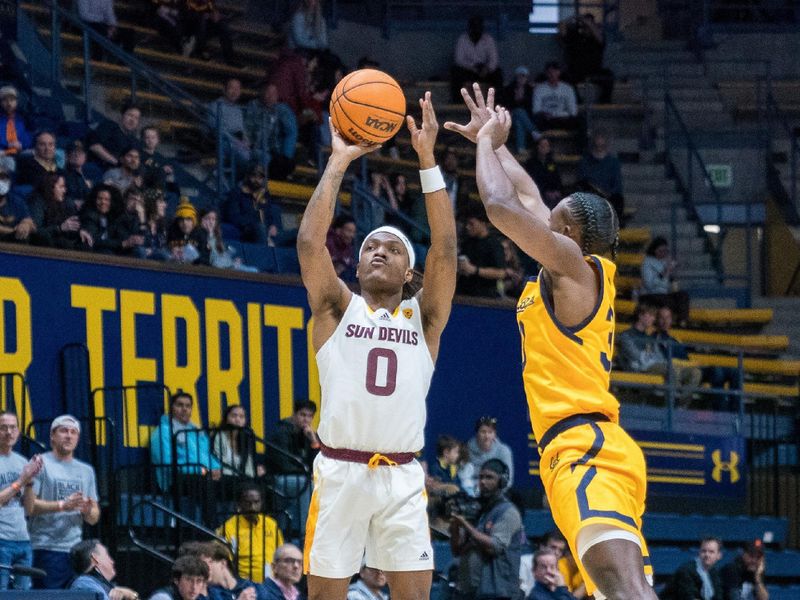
[{"x": 14, "y": 136}]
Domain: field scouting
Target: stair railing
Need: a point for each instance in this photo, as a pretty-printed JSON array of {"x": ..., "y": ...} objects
[
  {"x": 138, "y": 72},
  {"x": 678, "y": 138}
]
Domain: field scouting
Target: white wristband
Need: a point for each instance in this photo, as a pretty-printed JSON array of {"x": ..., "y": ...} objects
[{"x": 431, "y": 180}]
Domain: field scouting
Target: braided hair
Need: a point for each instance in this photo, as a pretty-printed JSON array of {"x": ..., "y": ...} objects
[{"x": 598, "y": 222}]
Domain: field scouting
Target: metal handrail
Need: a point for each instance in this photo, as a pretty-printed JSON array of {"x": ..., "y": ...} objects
[
  {"x": 363, "y": 191},
  {"x": 174, "y": 515},
  {"x": 774, "y": 109},
  {"x": 180, "y": 97},
  {"x": 693, "y": 154}
]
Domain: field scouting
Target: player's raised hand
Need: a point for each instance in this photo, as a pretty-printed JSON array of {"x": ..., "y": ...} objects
[
  {"x": 479, "y": 112},
  {"x": 497, "y": 127},
  {"x": 348, "y": 152},
  {"x": 423, "y": 139}
]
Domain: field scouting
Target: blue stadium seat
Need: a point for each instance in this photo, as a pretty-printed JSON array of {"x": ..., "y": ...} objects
[
  {"x": 780, "y": 592},
  {"x": 287, "y": 260},
  {"x": 537, "y": 523},
  {"x": 260, "y": 256},
  {"x": 667, "y": 527},
  {"x": 667, "y": 559}
]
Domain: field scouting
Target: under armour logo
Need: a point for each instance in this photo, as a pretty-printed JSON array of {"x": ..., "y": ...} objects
[
  {"x": 424, "y": 556},
  {"x": 731, "y": 466}
]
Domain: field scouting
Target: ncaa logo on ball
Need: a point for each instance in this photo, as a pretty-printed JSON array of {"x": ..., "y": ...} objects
[{"x": 380, "y": 125}]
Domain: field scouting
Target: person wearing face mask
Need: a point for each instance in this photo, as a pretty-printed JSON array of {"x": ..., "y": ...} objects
[
  {"x": 16, "y": 224},
  {"x": 95, "y": 571},
  {"x": 489, "y": 550}
]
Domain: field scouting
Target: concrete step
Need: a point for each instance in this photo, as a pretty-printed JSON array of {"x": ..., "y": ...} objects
[
  {"x": 648, "y": 199},
  {"x": 693, "y": 94},
  {"x": 641, "y": 171},
  {"x": 649, "y": 186},
  {"x": 679, "y": 70}
]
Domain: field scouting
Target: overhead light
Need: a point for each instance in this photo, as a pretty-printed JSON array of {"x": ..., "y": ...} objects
[{"x": 711, "y": 228}]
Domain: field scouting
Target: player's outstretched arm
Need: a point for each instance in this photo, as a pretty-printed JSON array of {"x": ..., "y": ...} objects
[
  {"x": 557, "y": 253},
  {"x": 326, "y": 292},
  {"x": 479, "y": 112},
  {"x": 439, "y": 281}
]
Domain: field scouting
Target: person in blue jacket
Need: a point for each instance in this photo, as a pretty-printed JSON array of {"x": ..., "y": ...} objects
[{"x": 191, "y": 445}]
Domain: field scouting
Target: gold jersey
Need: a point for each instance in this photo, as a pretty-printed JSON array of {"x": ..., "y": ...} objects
[{"x": 566, "y": 370}]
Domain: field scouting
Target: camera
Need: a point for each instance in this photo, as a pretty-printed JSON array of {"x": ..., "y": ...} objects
[{"x": 464, "y": 505}]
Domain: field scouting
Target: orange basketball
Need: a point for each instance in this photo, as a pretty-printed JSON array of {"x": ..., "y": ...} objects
[{"x": 368, "y": 106}]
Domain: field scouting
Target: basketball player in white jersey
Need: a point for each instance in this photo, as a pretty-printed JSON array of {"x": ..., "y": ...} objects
[{"x": 376, "y": 353}]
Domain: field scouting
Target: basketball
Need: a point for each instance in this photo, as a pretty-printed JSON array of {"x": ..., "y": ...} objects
[{"x": 367, "y": 106}]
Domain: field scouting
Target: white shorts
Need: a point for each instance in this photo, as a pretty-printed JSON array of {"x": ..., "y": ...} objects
[{"x": 357, "y": 511}]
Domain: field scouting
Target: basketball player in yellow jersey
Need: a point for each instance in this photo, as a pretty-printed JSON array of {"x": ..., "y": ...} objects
[
  {"x": 593, "y": 472},
  {"x": 376, "y": 353}
]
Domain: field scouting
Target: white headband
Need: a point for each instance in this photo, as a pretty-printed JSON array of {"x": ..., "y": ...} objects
[{"x": 397, "y": 233}]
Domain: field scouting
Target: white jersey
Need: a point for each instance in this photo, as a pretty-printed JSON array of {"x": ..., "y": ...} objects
[{"x": 375, "y": 372}]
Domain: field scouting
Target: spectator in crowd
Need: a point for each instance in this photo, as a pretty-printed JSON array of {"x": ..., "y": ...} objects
[
  {"x": 291, "y": 75},
  {"x": 297, "y": 437},
  {"x": 78, "y": 183},
  {"x": 287, "y": 570},
  {"x": 222, "y": 583},
  {"x": 14, "y": 135},
  {"x": 543, "y": 169},
  {"x": 31, "y": 168},
  {"x": 192, "y": 448},
  {"x": 373, "y": 214},
  {"x": 203, "y": 20},
  {"x": 743, "y": 578},
  {"x": 412, "y": 205},
  {"x": 130, "y": 228},
  {"x": 168, "y": 18},
  {"x": 482, "y": 262},
  {"x": 489, "y": 550},
  {"x": 658, "y": 280},
  {"x": 485, "y": 445},
  {"x": 454, "y": 184},
  {"x": 253, "y": 535},
  {"x": 220, "y": 255},
  {"x": 340, "y": 246},
  {"x": 717, "y": 377},
  {"x": 698, "y": 579},
  {"x": 100, "y": 16},
  {"x": 475, "y": 59},
  {"x": 189, "y": 580},
  {"x": 552, "y": 541},
  {"x": 16, "y": 224},
  {"x": 554, "y": 103},
  {"x": 641, "y": 352},
  {"x": 271, "y": 126},
  {"x": 155, "y": 171},
  {"x": 234, "y": 444},
  {"x": 514, "y": 280},
  {"x": 98, "y": 217},
  {"x": 601, "y": 172},
  {"x": 582, "y": 39},
  {"x": 55, "y": 217},
  {"x": 518, "y": 98},
  {"x": 549, "y": 582},
  {"x": 95, "y": 571},
  {"x": 249, "y": 208},
  {"x": 109, "y": 140},
  {"x": 307, "y": 29},
  {"x": 442, "y": 480},
  {"x": 227, "y": 113},
  {"x": 155, "y": 245},
  {"x": 66, "y": 498},
  {"x": 188, "y": 243},
  {"x": 371, "y": 585},
  {"x": 16, "y": 502}
]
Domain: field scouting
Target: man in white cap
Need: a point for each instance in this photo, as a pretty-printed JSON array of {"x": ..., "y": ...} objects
[
  {"x": 14, "y": 135},
  {"x": 66, "y": 497},
  {"x": 376, "y": 353}
]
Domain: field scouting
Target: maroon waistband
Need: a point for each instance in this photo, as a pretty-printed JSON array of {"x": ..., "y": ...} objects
[{"x": 373, "y": 459}]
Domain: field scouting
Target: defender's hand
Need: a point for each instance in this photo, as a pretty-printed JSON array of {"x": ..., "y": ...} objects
[{"x": 479, "y": 112}]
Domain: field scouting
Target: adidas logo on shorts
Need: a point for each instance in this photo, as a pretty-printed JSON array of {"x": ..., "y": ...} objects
[{"x": 424, "y": 556}]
